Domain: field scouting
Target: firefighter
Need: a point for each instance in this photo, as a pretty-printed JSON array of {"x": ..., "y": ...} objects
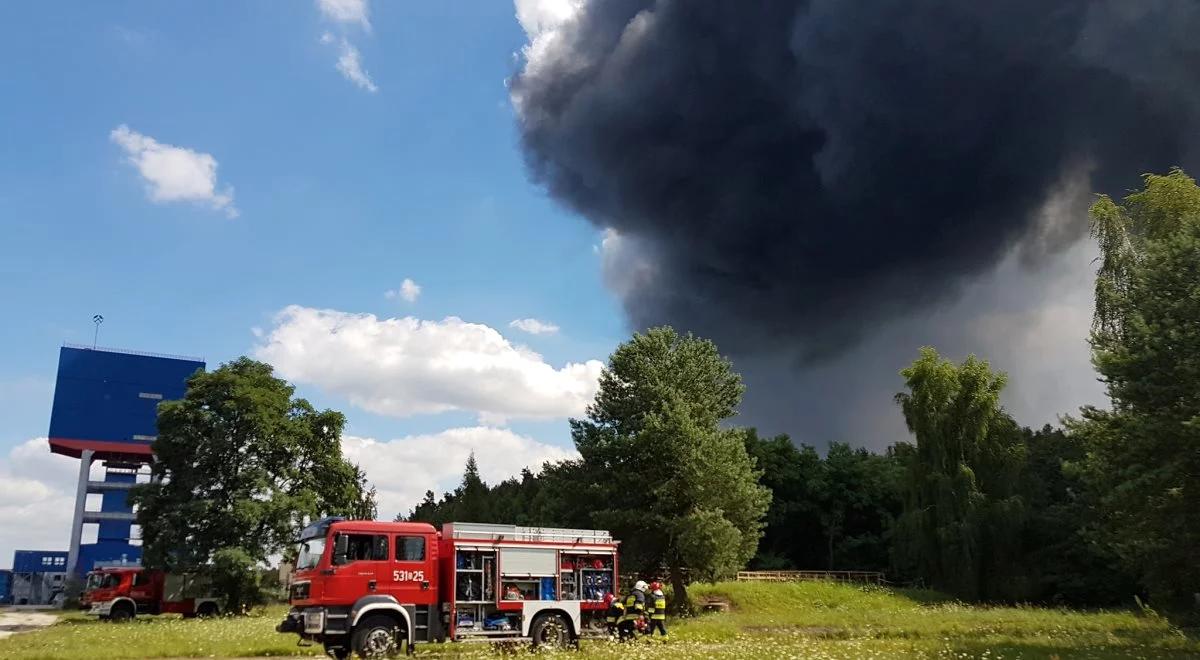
[
  {"x": 635, "y": 607},
  {"x": 616, "y": 610},
  {"x": 657, "y": 609}
]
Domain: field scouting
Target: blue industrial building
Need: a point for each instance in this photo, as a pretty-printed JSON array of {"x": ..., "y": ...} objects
[
  {"x": 105, "y": 409},
  {"x": 38, "y": 577},
  {"x": 5, "y": 587}
]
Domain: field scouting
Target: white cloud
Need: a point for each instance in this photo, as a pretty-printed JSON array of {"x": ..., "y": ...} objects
[
  {"x": 403, "y": 469},
  {"x": 174, "y": 174},
  {"x": 350, "y": 65},
  {"x": 407, "y": 366},
  {"x": 539, "y": 16},
  {"x": 534, "y": 326},
  {"x": 409, "y": 291},
  {"x": 38, "y": 499},
  {"x": 346, "y": 11},
  {"x": 543, "y": 21}
]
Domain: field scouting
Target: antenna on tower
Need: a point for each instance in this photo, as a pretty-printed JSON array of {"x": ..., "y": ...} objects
[{"x": 97, "y": 319}]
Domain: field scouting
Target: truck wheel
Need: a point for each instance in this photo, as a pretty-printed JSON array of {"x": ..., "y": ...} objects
[
  {"x": 375, "y": 637},
  {"x": 550, "y": 631},
  {"x": 121, "y": 612},
  {"x": 207, "y": 609}
]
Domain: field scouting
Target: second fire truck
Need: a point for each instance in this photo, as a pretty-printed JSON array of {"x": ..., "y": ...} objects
[{"x": 373, "y": 588}]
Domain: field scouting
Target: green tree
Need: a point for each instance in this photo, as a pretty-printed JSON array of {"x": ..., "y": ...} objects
[
  {"x": 240, "y": 467},
  {"x": 1066, "y": 564},
  {"x": 658, "y": 469},
  {"x": 1143, "y": 462},
  {"x": 963, "y": 518},
  {"x": 834, "y": 512}
]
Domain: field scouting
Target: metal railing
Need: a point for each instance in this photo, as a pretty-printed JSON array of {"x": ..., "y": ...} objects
[
  {"x": 127, "y": 351},
  {"x": 866, "y": 577},
  {"x": 493, "y": 532}
]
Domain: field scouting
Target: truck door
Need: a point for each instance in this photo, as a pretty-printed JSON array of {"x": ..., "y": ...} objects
[
  {"x": 360, "y": 563},
  {"x": 142, "y": 591},
  {"x": 412, "y": 577}
]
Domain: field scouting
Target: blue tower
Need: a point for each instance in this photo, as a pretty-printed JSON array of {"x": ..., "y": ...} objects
[{"x": 105, "y": 409}]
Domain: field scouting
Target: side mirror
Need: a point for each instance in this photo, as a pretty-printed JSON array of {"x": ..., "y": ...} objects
[{"x": 341, "y": 547}]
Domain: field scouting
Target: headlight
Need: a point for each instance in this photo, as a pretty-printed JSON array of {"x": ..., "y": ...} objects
[{"x": 314, "y": 620}]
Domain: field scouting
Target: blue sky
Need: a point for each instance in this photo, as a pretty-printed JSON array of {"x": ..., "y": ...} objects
[{"x": 340, "y": 192}]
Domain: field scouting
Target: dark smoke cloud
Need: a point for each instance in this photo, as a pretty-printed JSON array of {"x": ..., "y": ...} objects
[{"x": 792, "y": 175}]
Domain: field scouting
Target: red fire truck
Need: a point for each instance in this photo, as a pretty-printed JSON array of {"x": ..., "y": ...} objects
[
  {"x": 373, "y": 588},
  {"x": 120, "y": 594}
]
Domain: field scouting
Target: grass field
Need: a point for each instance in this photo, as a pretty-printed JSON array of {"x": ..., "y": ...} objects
[{"x": 807, "y": 620}]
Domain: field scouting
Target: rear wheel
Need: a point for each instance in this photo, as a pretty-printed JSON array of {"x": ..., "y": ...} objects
[
  {"x": 121, "y": 612},
  {"x": 550, "y": 631},
  {"x": 375, "y": 637}
]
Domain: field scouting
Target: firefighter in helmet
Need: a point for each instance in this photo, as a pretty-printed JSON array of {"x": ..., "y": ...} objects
[
  {"x": 656, "y": 608},
  {"x": 635, "y": 608},
  {"x": 616, "y": 610}
]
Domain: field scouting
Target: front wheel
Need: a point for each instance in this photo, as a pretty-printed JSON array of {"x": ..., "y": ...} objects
[
  {"x": 375, "y": 637},
  {"x": 337, "y": 651},
  {"x": 121, "y": 612},
  {"x": 550, "y": 631}
]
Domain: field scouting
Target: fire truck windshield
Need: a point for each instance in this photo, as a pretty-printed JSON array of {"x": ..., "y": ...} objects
[
  {"x": 98, "y": 580},
  {"x": 310, "y": 553}
]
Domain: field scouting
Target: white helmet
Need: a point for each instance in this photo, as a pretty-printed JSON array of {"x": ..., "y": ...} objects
[{"x": 640, "y": 586}]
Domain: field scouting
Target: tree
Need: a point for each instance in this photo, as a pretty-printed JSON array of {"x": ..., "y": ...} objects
[
  {"x": 963, "y": 517},
  {"x": 832, "y": 512},
  {"x": 1066, "y": 564},
  {"x": 658, "y": 468},
  {"x": 1143, "y": 464},
  {"x": 240, "y": 467}
]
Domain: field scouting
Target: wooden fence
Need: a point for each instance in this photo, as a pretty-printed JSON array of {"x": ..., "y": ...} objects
[{"x": 867, "y": 577}]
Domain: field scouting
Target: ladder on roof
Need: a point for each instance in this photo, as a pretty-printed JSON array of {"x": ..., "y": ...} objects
[{"x": 493, "y": 532}]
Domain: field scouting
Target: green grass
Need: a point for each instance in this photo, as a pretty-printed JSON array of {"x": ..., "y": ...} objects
[
  {"x": 79, "y": 636},
  {"x": 806, "y": 620}
]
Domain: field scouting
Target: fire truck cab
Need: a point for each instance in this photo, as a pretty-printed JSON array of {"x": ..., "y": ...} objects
[{"x": 373, "y": 588}]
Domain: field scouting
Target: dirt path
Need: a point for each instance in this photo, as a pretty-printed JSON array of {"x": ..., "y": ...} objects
[{"x": 15, "y": 621}]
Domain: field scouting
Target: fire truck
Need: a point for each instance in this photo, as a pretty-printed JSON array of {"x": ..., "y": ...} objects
[
  {"x": 374, "y": 588},
  {"x": 119, "y": 594}
]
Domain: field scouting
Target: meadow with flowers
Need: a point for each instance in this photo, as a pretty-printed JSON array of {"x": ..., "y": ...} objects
[{"x": 802, "y": 620}]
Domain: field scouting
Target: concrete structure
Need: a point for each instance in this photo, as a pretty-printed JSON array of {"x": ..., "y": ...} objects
[{"x": 105, "y": 409}]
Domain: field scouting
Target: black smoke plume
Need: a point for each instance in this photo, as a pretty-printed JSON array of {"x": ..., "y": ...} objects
[{"x": 787, "y": 175}]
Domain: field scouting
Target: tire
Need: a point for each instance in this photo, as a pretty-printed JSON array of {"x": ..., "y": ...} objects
[
  {"x": 376, "y": 637},
  {"x": 121, "y": 612},
  {"x": 208, "y": 609},
  {"x": 337, "y": 651},
  {"x": 551, "y": 631}
]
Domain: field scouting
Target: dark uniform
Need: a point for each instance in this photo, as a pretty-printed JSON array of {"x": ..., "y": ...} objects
[
  {"x": 635, "y": 607},
  {"x": 658, "y": 614},
  {"x": 616, "y": 610}
]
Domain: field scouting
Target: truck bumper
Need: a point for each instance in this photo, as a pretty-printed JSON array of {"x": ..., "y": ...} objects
[
  {"x": 292, "y": 623},
  {"x": 103, "y": 608}
]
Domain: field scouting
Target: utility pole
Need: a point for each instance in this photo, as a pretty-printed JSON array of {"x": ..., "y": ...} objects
[{"x": 97, "y": 319}]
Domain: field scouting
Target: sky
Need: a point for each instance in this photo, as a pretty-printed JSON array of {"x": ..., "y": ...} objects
[
  {"x": 237, "y": 179},
  {"x": 337, "y": 187}
]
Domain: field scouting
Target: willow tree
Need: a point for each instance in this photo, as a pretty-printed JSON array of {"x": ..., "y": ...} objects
[
  {"x": 962, "y": 520},
  {"x": 1144, "y": 451}
]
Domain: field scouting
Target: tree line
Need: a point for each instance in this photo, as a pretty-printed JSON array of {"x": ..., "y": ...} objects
[
  {"x": 1105, "y": 507},
  {"x": 1094, "y": 512}
]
